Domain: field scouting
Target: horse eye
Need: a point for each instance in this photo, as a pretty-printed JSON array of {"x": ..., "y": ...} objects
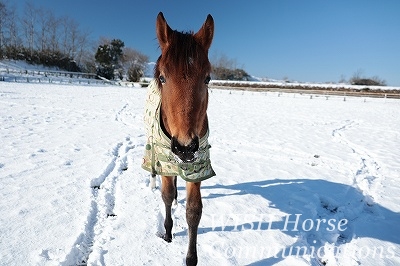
[
  {"x": 208, "y": 78},
  {"x": 162, "y": 79}
]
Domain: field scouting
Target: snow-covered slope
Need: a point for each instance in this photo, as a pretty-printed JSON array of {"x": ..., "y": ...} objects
[
  {"x": 300, "y": 180},
  {"x": 20, "y": 71}
]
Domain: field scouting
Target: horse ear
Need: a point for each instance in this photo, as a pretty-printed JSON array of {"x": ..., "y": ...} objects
[
  {"x": 163, "y": 31},
  {"x": 205, "y": 35}
]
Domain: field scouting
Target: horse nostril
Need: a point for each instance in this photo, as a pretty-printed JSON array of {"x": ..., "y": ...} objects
[
  {"x": 194, "y": 145},
  {"x": 185, "y": 153}
]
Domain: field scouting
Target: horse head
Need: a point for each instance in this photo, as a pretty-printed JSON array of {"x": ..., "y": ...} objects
[{"x": 183, "y": 72}]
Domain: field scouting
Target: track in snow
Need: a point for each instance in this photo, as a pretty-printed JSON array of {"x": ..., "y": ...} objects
[
  {"x": 89, "y": 243},
  {"x": 367, "y": 176}
]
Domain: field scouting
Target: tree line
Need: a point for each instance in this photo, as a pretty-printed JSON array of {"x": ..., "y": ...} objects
[
  {"x": 224, "y": 68},
  {"x": 38, "y": 36}
]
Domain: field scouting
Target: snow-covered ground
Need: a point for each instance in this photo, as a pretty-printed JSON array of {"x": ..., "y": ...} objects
[{"x": 300, "y": 180}]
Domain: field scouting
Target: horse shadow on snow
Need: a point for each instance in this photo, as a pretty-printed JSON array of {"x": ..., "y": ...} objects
[{"x": 311, "y": 200}]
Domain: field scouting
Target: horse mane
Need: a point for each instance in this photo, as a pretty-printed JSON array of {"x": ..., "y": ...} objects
[{"x": 184, "y": 55}]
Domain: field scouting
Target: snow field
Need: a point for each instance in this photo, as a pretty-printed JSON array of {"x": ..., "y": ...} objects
[{"x": 300, "y": 181}]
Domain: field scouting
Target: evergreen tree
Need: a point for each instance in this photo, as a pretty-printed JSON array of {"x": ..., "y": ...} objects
[
  {"x": 108, "y": 57},
  {"x": 116, "y": 51}
]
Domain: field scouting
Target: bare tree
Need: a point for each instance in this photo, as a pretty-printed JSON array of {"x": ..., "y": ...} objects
[
  {"x": 226, "y": 68},
  {"x": 3, "y": 17},
  {"x": 359, "y": 79},
  {"x": 342, "y": 79},
  {"x": 68, "y": 35},
  {"x": 12, "y": 28},
  {"x": 64, "y": 32},
  {"x": 73, "y": 37},
  {"x": 222, "y": 61},
  {"x": 82, "y": 48},
  {"x": 103, "y": 41},
  {"x": 53, "y": 32},
  {"x": 133, "y": 57},
  {"x": 43, "y": 29},
  {"x": 134, "y": 63},
  {"x": 28, "y": 23},
  {"x": 86, "y": 57}
]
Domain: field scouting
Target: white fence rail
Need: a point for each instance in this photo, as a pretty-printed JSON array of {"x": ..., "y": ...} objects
[{"x": 14, "y": 73}]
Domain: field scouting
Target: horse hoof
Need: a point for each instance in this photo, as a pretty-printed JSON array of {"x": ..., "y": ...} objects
[
  {"x": 164, "y": 237},
  {"x": 167, "y": 239},
  {"x": 191, "y": 261}
]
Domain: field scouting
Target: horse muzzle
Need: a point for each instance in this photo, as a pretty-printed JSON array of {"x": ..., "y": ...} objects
[{"x": 187, "y": 153}]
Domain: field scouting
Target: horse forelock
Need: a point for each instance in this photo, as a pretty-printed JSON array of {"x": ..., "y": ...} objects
[{"x": 183, "y": 58}]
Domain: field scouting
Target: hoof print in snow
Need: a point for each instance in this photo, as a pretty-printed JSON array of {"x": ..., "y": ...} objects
[
  {"x": 322, "y": 262},
  {"x": 369, "y": 201},
  {"x": 327, "y": 206},
  {"x": 342, "y": 239},
  {"x": 330, "y": 208}
]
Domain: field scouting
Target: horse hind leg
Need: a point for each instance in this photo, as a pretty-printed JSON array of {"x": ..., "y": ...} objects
[
  {"x": 175, "y": 201},
  {"x": 194, "y": 208},
  {"x": 168, "y": 192}
]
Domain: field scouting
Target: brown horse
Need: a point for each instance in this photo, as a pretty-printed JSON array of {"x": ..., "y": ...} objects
[{"x": 182, "y": 74}]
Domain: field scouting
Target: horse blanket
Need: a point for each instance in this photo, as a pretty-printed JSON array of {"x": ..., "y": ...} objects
[{"x": 158, "y": 157}]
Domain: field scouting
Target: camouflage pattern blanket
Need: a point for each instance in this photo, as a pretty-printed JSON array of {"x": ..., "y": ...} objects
[{"x": 158, "y": 157}]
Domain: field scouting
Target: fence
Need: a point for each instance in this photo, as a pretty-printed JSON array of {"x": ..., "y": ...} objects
[
  {"x": 324, "y": 92},
  {"x": 49, "y": 76}
]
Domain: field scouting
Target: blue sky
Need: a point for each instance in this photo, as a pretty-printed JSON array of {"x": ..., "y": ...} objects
[{"x": 310, "y": 40}]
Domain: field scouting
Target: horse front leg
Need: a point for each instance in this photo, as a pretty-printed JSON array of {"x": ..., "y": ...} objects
[
  {"x": 152, "y": 181},
  {"x": 193, "y": 215},
  {"x": 168, "y": 193}
]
